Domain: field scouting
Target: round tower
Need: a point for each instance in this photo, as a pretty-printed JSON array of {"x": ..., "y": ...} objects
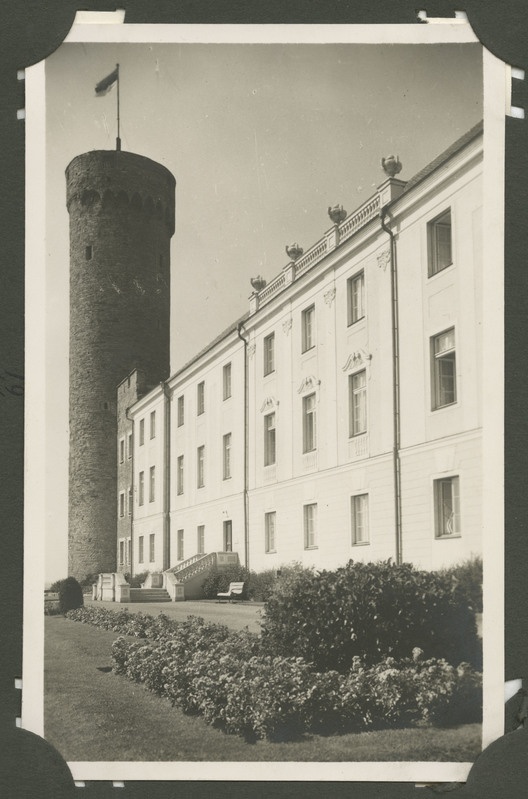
[{"x": 121, "y": 208}]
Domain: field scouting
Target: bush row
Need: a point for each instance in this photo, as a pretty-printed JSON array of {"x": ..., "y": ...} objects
[
  {"x": 235, "y": 687},
  {"x": 140, "y": 625},
  {"x": 370, "y": 610}
]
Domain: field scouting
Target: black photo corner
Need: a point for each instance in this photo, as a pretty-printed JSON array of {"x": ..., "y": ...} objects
[{"x": 31, "y": 31}]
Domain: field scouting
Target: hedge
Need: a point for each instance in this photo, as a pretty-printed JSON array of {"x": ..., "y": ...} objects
[{"x": 370, "y": 610}]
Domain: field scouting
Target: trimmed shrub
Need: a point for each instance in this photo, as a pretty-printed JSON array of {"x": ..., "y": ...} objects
[
  {"x": 70, "y": 594},
  {"x": 136, "y": 580},
  {"x": 218, "y": 582},
  {"x": 467, "y": 580},
  {"x": 368, "y": 610},
  {"x": 261, "y": 584}
]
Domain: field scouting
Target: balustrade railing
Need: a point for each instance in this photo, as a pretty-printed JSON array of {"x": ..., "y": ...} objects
[
  {"x": 320, "y": 249},
  {"x": 194, "y": 565}
]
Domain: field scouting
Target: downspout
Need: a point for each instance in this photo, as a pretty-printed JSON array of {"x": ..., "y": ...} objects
[
  {"x": 132, "y": 487},
  {"x": 240, "y": 327},
  {"x": 395, "y": 386},
  {"x": 166, "y": 476}
]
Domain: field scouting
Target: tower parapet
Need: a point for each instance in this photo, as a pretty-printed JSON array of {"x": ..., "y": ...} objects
[{"x": 121, "y": 208}]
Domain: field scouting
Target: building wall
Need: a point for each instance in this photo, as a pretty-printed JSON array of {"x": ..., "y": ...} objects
[{"x": 336, "y": 500}]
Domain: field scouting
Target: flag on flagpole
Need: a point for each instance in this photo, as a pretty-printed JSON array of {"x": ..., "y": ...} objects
[{"x": 104, "y": 85}]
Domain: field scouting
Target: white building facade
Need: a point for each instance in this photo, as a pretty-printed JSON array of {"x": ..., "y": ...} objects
[{"x": 342, "y": 417}]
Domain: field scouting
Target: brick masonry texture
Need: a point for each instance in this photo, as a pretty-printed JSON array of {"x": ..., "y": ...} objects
[{"x": 121, "y": 208}]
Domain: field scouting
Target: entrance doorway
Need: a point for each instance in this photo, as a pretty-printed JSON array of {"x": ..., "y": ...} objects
[{"x": 228, "y": 536}]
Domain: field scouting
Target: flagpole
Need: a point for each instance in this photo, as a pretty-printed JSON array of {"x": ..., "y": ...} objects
[{"x": 118, "y": 139}]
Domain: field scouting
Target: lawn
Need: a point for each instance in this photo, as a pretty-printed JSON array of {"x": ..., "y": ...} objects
[{"x": 92, "y": 714}]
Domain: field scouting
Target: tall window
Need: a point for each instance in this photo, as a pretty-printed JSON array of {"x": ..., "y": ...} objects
[
  {"x": 357, "y": 389},
  {"x": 360, "y": 525},
  {"x": 152, "y": 547},
  {"x": 356, "y": 298},
  {"x": 200, "y": 398},
  {"x": 122, "y": 503},
  {"x": 179, "y": 545},
  {"x": 269, "y": 439},
  {"x": 228, "y": 536},
  {"x": 130, "y": 501},
  {"x": 310, "y": 526},
  {"x": 269, "y": 354},
  {"x": 200, "y": 467},
  {"x": 152, "y": 484},
  {"x": 141, "y": 548},
  {"x": 141, "y": 488},
  {"x": 269, "y": 530},
  {"x": 121, "y": 450},
  {"x": 121, "y": 552},
  {"x": 227, "y": 380},
  {"x": 443, "y": 357},
  {"x": 227, "y": 455},
  {"x": 308, "y": 328},
  {"x": 141, "y": 432},
  {"x": 447, "y": 507},
  {"x": 439, "y": 243},
  {"x": 179, "y": 475},
  {"x": 309, "y": 423},
  {"x": 200, "y": 539},
  {"x": 130, "y": 445},
  {"x": 153, "y": 424},
  {"x": 181, "y": 410}
]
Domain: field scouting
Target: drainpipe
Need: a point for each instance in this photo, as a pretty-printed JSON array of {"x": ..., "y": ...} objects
[
  {"x": 395, "y": 386},
  {"x": 132, "y": 487},
  {"x": 246, "y": 444},
  {"x": 166, "y": 476}
]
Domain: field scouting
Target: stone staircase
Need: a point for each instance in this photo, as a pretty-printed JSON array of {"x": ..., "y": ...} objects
[
  {"x": 149, "y": 595},
  {"x": 193, "y": 571}
]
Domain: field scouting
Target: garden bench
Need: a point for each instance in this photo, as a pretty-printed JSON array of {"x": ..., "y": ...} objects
[{"x": 233, "y": 592}]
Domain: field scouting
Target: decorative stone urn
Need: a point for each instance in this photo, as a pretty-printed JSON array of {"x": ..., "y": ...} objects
[
  {"x": 337, "y": 214},
  {"x": 293, "y": 251},
  {"x": 392, "y": 165},
  {"x": 258, "y": 282}
]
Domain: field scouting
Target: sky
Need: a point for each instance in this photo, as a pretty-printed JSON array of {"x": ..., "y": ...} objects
[{"x": 262, "y": 139}]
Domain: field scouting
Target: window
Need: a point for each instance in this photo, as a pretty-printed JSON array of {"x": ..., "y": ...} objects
[
  {"x": 181, "y": 410},
  {"x": 179, "y": 545},
  {"x": 200, "y": 539},
  {"x": 122, "y": 450},
  {"x": 141, "y": 488},
  {"x": 359, "y": 510},
  {"x": 152, "y": 484},
  {"x": 130, "y": 502},
  {"x": 141, "y": 432},
  {"x": 269, "y": 530},
  {"x": 200, "y": 398},
  {"x": 227, "y": 380},
  {"x": 122, "y": 503},
  {"x": 228, "y": 536},
  {"x": 356, "y": 298},
  {"x": 443, "y": 369},
  {"x": 269, "y": 354},
  {"x": 357, "y": 390},
  {"x": 309, "y": 423},
  {"x": 88, "y": 252},
  {"x": 153, "y": 424},
  {"x": 179, "y": 475},
  {"x": 308, "y": 328},
  {"x": 447, "y": 507},
  {"x": 152, "y": 547},
  {"x": 200, "y": 462},
  {"x": 129, "y": 550},
  {"x": 439, "y": 243},
  {"x": 310, "y": 526},
  {"x": 130, "y": 445},
  {"x": 269, "y": 439},
  {"x": 141, "y": 548},
  {"x": 121, "y": 552},
  {"x": 227, "y": 456}
]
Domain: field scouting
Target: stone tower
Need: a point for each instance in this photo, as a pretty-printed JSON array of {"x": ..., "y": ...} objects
[{"x": 121, "y": 208}]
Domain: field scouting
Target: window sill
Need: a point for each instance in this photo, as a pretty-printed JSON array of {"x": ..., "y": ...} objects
[
  {"x": 271, "y": 552},
  {"x": 356, "y": 322},
  {"x": 309, "y": 349},
  {"x": 361, "y": 543},
  {"x": 443, "y": 407},
  {"x": 447, "y": 537},
  {"x": 309, "y": 548},
  {"x": 441, "y": 271}
]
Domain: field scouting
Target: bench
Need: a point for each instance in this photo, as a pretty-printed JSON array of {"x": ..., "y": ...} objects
[{"x": 233, "y": 592}]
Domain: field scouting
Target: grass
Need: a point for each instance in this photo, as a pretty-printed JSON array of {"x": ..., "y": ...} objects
[{"x": 93, "y": 715}]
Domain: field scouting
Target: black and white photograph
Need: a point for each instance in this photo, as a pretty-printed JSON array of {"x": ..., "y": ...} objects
[{"x": 269, "y": 415}]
